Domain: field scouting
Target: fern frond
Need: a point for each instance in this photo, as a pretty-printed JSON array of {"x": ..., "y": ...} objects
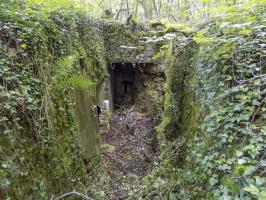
[
  {"x": 64, "y": 66},
  {"x": 80, "y": 81},
  {"x": 63, "y": 76}
]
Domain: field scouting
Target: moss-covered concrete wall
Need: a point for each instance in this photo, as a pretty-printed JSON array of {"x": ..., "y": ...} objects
[
  {"x": 88, "y": 123},
  {"x": 126, "y": 43},
  {"x": 48, "y": 62},
  {"x": 179, "y": 103},
  {"x": 213, "y": 128},
  {"x": 149, "y": 83}
]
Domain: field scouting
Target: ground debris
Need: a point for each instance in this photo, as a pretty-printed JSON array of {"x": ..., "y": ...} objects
[{"x": 129, "y": 150}]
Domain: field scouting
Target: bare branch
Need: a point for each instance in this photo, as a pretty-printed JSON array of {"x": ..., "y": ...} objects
[
  {"x": 173, "y": 17},
  {"x": 257, "y": 111},
  {"x": 74, "y": 193},
  {"x": 255, "y": 168},
  {"x": 251, "y": 79}
]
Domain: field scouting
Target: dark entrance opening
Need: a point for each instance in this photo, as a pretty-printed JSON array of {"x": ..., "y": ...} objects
[
  {"x": 126, "y": 82},
  {"x": 122, "y": 84}
]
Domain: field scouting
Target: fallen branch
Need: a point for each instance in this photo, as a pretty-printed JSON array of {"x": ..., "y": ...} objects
[
  {"x": 74, "y": 193},
  {"x": 251, "y": 79},
  {"x": 255, "y": 168},
  {"x": 256, "y": 112}
]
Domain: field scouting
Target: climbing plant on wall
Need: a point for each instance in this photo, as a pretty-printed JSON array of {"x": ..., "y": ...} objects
[
  {"x": 225, "y": 154},
  {"x": 39, "y": 51}
]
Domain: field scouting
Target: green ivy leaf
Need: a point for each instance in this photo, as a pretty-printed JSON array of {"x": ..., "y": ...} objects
[
  {"x": 213, "y": 181},
  {"x": 23, "y": 46},
  {"x": 239, "y": 153},
  {"x": 241, "y": 161},
  {"x": 262, "y": 195},
  {"x": 252, "y": 189},
  {"x": 172, "y": 196}
]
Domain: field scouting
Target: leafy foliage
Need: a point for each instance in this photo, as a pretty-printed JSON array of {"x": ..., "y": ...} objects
[
  {"x": 224, "y": 158},
  {"x": 63, "y": 77},
  {"x": 39, "y": 153},
  {"x": 214, "y": 115}
]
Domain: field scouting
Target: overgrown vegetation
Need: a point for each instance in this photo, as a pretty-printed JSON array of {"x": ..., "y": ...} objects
[
  {"x": 44, "y": 56},
  {"x": 53, "y": 57},
  {"x": 224, "y": 158}
]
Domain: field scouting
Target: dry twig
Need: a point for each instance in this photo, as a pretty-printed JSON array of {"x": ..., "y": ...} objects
[{"x": 74, "y": 193}]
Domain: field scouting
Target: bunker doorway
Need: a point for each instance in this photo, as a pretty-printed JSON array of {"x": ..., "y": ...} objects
[{"x": 122, "y": 81}]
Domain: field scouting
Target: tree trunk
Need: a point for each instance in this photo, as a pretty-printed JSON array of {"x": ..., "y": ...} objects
[
  {"x": 147, "y": 6},
  {"x": 135, "y": 9}
]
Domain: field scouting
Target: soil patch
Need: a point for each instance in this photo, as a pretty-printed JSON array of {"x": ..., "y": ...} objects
[{"x": 129, "y": 150}]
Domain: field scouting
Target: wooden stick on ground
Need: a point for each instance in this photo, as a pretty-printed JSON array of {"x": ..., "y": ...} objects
[{"x": 74, "y": 193}]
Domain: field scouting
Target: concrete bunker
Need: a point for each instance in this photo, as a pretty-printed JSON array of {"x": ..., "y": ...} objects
[{"x": 135, "y": 78}]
